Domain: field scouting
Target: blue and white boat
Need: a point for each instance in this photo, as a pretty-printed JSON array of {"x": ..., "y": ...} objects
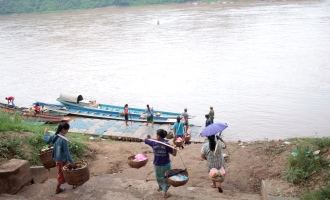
[
  {"x": 78, "y": 102},
  {"x": 98, "y": 114}
]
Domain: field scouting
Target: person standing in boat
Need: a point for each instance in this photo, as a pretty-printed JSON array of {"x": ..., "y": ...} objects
[
  {"x": 211, "y": 114},
  {"x": 10, "y": 100},
  {"x": 61, "y": 153},
  {"x": 162, "y": 162},
  {"x": 150, "y": 115},
  {"x": 126, "y": 113},
  {"x": 185, "y": 117},
  {"x": 37, "y": 108},
  {"x": 208, "y": 120}
]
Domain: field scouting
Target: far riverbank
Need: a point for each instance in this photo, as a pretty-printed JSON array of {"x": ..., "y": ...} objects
[{"x": 30, "y": 6}]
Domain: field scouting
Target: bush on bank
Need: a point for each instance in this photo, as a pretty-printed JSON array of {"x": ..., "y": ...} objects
[{"x": 24, "y": 140}]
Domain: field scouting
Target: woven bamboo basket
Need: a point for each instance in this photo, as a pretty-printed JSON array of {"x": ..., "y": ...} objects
[
  {"x": 176, "y": 183},
  {"x": 187, "y": 138},
  {"x": 46, "y": 157},
  {"x": 219, "y": 179},
  {"x": 76, "y": 176},
  {"x": 177, "y": 144},
  {"x": 136, "y": 164},
  {"x": 169, "y": 135}
]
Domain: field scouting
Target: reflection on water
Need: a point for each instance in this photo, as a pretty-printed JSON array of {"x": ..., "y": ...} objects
[{"x": 264, "y": 67}]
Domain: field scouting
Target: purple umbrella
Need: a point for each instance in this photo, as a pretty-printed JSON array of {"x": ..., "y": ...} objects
[{"x": 213, "y": 129}]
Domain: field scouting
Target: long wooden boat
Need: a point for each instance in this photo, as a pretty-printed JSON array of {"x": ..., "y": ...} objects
[
  {"x": 9, "y": 108},
  {"x": 98, "y": 114},
  {"x": 44, "y": 117},
  {"x": 26, "y": 114},
  {"x": 77, "y": 102}
]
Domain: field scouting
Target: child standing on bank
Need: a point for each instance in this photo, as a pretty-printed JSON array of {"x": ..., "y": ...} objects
[{"x": 126, "y": 113}]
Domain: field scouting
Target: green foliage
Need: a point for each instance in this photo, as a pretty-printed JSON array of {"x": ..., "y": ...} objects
[
  {"x": 320, "y": 143},
  {"x": 321, "y": 194},
  {"x": 26, "y": 6},
  {"x": 28, "y": 146},
  {"x": 13, "y": 122},
  {"x": 77, "y": 149},
  {"x": 11, "y": 148},
  {"x": 302, "y": 164},
  {"x": 36, "y": 142}
]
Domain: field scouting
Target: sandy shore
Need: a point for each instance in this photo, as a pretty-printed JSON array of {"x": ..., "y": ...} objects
[{"x": 246, "y": 166}]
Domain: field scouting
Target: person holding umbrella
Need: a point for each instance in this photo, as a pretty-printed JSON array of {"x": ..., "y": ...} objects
[{"x": 212, "y": 152}]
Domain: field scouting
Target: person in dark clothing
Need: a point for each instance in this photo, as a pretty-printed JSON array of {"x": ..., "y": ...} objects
[
  {"x": 211, "y": 114},
  {"x": 162, "y": 162},
  {"x": 208, "y": 120}
]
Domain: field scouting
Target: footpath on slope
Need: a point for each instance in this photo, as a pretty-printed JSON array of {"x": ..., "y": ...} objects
[{"x": 112, "y": 178}]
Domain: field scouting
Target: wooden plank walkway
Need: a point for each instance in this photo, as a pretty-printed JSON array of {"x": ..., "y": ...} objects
[{"x": 118, "y": 130}]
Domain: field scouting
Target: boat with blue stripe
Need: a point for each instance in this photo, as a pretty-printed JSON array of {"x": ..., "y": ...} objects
[
  {"x": 98, "y": 114},
  {"x": 78, "y": 102}
]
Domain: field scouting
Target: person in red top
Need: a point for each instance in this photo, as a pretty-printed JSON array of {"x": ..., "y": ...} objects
[
  {"x": 10, "y": 100},
  {"x": 37, "y": 108},
  {"x": 126, "y": 112}
]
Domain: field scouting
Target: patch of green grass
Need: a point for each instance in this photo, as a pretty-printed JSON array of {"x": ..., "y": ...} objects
[
  {"x": 11, "y": 148},
  {"x": 321, "y": 194},
  {"x": 77, "y": 149},
  {"x": 319, "y": 143},
  {"x": 14, "y": 122},
  {"x": 302, "y": 163},
  {"x": 28, "y": 146},
  {"x": 78, "y": 137}
]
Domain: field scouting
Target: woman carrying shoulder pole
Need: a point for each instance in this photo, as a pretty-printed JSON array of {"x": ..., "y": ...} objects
[{"x": 61, "y": 153}]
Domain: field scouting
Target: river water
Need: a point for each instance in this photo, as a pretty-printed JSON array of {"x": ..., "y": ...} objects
[{"x": 264, "y": 67}]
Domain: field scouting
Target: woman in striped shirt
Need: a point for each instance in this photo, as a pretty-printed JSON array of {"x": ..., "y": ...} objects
[{"x": 212, "y": 152}]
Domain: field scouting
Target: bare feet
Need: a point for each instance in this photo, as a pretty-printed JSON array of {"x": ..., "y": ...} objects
[
  {"x": 166, "y": 195},
  {"x": 59, "y": 190}
]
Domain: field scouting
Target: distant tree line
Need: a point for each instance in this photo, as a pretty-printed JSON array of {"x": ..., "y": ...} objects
[{"x": 25, "y": 6}]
